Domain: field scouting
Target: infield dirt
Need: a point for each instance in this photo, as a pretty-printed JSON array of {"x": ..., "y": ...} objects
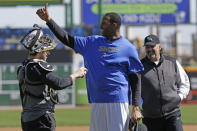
[{"x": 86, "y": 128}]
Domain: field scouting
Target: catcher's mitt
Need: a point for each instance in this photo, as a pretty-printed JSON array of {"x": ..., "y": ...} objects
[{"x": 137, "y": 126}]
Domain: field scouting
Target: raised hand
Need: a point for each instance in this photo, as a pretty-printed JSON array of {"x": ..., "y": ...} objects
[{"x": 43, "y": 13}]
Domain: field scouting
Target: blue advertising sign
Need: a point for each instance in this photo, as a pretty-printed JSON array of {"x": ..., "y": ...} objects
[{"x": 139, "y": 11}]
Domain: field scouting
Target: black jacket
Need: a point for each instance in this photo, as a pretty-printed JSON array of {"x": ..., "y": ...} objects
[{"x": 159, "y": 87}]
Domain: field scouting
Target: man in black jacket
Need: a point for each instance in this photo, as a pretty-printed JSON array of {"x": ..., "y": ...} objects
[
  {"x": 164, "y": 85},
  {"x": 38, "y": 84}
]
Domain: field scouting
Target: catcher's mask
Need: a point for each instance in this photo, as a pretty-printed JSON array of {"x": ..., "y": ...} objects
[{"x": 35, "y": 41}]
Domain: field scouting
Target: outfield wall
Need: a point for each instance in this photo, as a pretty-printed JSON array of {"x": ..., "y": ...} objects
[{"x": 9, "y": 89}]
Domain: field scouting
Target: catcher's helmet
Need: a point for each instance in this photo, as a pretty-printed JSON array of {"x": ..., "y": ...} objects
[{"x": 35, "y": 41}]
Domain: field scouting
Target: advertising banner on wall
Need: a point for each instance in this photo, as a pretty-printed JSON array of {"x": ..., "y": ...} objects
[
  {"x": 29, "y": 2},
  {"x": 138, "y": 11},
  {"x": 9, "y": 89}
]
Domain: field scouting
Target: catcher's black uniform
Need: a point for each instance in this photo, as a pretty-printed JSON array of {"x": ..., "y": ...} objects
[{"x": 37, "y": 84}]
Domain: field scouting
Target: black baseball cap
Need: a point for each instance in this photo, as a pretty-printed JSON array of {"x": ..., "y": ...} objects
[{"x": 151, "y": 40}]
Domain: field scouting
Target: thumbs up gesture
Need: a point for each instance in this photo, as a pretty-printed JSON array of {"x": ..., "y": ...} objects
[{"x": 43, "y": 13}]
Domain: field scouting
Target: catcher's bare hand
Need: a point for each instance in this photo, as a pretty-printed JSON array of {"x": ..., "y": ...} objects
[
  {"x": 43, "y": 13},
  {"x": 136, "y": 114},
  {"x": 79, "y": 73}
]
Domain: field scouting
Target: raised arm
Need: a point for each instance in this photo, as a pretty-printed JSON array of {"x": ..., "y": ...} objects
[
  {"x": 43, "y": 13},
  {"x": 62, "y": 35}
]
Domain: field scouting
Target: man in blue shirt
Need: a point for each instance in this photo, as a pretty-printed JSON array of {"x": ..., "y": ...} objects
[{"x": 111, "y": 61}]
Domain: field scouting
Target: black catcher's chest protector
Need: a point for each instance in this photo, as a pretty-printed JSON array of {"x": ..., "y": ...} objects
[{"x": 35, "y": 89}]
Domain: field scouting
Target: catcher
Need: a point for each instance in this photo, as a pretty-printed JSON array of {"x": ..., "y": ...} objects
[{"x": 38, "y": 84}]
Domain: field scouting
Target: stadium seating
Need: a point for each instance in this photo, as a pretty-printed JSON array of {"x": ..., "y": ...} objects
[{"x": 10, "y": 38}]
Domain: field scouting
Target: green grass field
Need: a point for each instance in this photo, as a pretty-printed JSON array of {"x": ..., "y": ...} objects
[
  {"x": 81, "y": 116},
  {"x": 189, "y": 114}
]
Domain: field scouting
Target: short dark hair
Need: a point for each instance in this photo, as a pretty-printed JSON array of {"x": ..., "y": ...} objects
[{"x": 114, "y": 18}]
